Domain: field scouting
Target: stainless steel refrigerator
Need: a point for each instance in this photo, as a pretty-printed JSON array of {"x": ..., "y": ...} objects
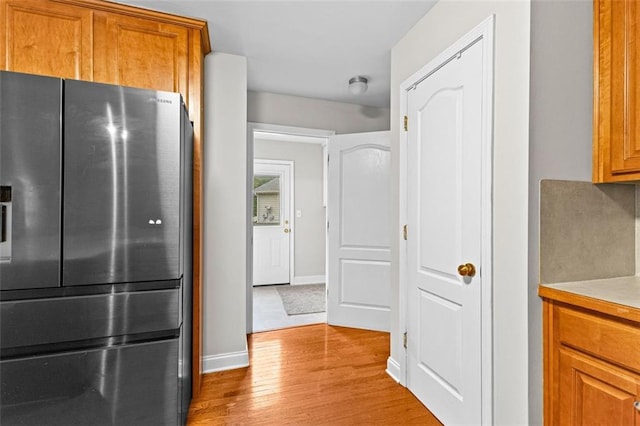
[{"x": 95, "y": 254}]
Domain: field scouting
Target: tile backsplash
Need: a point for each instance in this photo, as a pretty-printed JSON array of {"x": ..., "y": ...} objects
[{"x": 587, "y": 231}]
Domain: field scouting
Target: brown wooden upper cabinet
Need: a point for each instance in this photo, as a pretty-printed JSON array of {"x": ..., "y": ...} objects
[
  {"x": 616, "y": 103},
  {"x": 97, "y": 40},
  {"x": 48, "y": 38},
  {"x": 141, "y": 53}
]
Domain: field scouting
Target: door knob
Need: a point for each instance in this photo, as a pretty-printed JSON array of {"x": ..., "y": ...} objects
[
  {"x": 286, "y": 230},
  {"x": 636, "y": 405},
  {"x": 467, "y": 270}
]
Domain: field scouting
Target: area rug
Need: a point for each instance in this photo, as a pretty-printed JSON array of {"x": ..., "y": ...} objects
[{"x": 303, "y": 299}]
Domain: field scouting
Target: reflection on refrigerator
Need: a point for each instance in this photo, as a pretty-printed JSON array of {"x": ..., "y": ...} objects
[{"x": 95, "y": 253}]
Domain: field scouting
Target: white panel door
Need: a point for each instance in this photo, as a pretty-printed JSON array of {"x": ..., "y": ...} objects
[
  {"x": 358, "y": 252},
  {"x": 271, "y": 222},
  {"x": 445, "y": 234}
]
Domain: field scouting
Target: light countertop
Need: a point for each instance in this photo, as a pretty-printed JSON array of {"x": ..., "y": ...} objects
[{"x": 615, "y": 296}]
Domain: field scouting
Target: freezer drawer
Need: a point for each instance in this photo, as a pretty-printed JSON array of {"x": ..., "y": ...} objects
[
  {"x": 32, "y": 322},
  {"x": 29, "y": 181},
  {"x": 122, "y": 385},
  {"x": 121, "y": 184}
]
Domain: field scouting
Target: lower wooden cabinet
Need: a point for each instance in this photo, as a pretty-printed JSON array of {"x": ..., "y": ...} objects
[
  {"x": 591, "y": 361},
  {"x": 594, "y": 392}
]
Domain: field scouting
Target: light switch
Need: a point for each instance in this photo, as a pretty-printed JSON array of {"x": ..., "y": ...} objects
[{"x": 298, "y": 213}]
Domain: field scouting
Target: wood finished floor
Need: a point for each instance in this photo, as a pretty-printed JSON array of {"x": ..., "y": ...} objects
[{"x": 311, "y": 375}]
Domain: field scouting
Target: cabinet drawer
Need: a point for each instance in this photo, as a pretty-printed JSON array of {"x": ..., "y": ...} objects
[{"x": 614, "y": 341}]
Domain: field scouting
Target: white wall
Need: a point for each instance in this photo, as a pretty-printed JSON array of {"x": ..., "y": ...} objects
[
  {"x": 560, "y": 134},
  {"x": 271, "y": 108},
  {"x": 225, "y": 211},
  {"x": 309, "y": 230},
  {"x": 443, "y": 25}
]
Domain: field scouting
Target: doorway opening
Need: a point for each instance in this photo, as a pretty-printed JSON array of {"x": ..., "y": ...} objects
[{"x": 287, "y": 181}]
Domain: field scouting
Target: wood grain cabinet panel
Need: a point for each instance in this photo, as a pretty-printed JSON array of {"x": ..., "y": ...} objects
[
  {"x": 594, "y": 393},
  {"x": 616, "y": 131},
  {"x": 142, "y": 53},
  {"x": 591, "y": 366},
  {"x": 46, "y": 38}
]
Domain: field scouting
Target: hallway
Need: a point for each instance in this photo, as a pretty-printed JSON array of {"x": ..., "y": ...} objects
[
  {"x": 311, "y": 375},
  {"x": 269, "y": 313}
]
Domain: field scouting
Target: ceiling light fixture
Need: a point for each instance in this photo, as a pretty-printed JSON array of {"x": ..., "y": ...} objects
[{"x": 358, "y": 85}]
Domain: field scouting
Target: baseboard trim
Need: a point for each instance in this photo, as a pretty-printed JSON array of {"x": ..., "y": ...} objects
[
  {"x": 308, "y": 279},
  {"x": 393, "y": 369},
  {"x": 223, "y": 362}
]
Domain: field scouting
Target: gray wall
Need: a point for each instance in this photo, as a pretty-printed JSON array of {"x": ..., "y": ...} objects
[
  {"x": 445, "y": 23},
  {"x": 225, "y": 211},
  {"x": 560, "y": 134},
  {"x": 309, "y": 230},
  {"x": 271, "y": 108}
]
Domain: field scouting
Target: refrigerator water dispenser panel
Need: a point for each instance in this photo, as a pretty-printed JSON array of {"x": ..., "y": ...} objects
[
  {"x": 30, "y": 150},
  {"x": 5, "y": 224}
]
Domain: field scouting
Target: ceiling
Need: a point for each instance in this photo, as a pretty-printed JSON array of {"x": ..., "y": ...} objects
[{"x": 307, "y": 48}]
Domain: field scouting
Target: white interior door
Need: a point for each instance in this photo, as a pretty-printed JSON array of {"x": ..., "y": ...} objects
[
  {"x": 358, "y": 255},
  {"x": 271, "y": 221},
  {"x": 444, "y": 247}
]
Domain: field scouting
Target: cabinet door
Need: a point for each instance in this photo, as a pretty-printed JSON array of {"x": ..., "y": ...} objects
[
  {"x": 592, "y": 392},
  {"x": 46, "y": 37},
  {"x": 616, "y": 90},
  {"x": 141, "y": 53}
]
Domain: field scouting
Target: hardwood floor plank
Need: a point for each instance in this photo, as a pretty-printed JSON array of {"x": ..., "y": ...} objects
[{"x": 311, "y": 375}]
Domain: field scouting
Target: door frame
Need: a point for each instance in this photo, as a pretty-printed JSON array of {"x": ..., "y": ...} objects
[
  {"x": 289, "y": 164},
  {"x": 484, "y": 31},
  {"x": 286, "y": 133}
]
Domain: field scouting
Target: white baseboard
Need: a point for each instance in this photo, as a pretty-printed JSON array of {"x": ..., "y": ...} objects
[
  {"x": 222, "y": 362},
  {"x": 308, "y": 279},
  {"x": 393, "y": 369}
]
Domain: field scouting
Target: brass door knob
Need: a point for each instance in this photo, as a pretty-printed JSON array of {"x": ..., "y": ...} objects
[
  {"x": 286, "y": 230},
  {"x": 467, "y": 270}
]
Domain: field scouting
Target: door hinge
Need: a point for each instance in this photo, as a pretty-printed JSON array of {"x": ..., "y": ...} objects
[
  {"x": 405, "y": 232},
  {"x": 328, "y": 158},
  {"x": 406, "y": 123},
  {"x": 404, "y": 340},
  {"x": 327, "y": 225}
]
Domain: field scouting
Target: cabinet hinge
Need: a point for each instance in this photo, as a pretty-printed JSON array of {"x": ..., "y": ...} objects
[
  {"x": 406, "y": 123},
  {"x": 404, "y": 340},
  {"x": 405, "y": 232}
]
